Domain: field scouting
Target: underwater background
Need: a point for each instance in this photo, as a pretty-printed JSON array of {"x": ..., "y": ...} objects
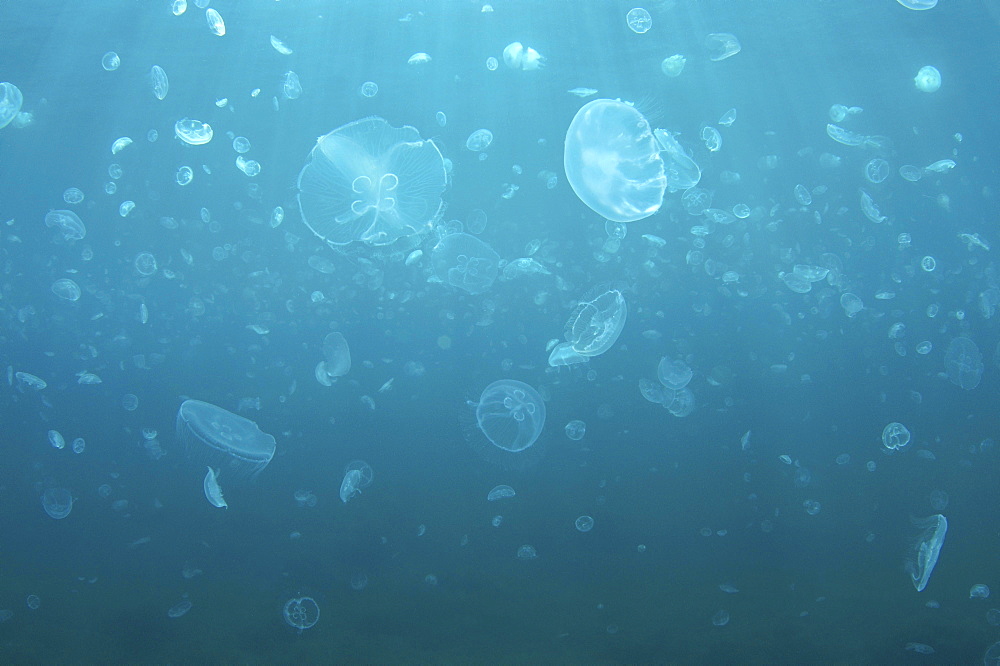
[{"x": 764, "y": 521}]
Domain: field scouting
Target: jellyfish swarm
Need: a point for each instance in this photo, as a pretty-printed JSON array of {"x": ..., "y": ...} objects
[
  {"x": 613, "y": 162},
  {"x": 368, "y": 181},
  {"x": 923, "y": 554},
  {"x": 508, "y": 420},
  {"x": 216, "y": 437}
]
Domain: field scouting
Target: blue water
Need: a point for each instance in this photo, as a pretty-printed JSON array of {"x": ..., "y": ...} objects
[{"x": 679, "y": 507}]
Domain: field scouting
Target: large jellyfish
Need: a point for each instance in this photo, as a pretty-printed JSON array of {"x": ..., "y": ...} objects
[
  {"x": 371, "y": 182},
  {"x": 613, "y": 162}
]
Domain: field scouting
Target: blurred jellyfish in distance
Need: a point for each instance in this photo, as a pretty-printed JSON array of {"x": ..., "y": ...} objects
[{"x": 518, "y": 56}]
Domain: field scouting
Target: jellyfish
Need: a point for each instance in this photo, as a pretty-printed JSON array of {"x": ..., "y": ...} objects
[
  {"x": 214, "y": 436},
  {"x": 595, "y": 324},
  {"x": 928, "y": 79},
  {"x": 964, "y": 363},
  {"x": 11, "y": 100},
  {"x": 465, "y": 262},
  {"x": 368, "y": 181},
  {"x": 682, "y": 172},
  {"x": 613, "y": 162},
  {"x": 508, "y": 420},
  {"x": 925, "y": 549},
  {"x": 673, "y": 66},
  {"x": 357, "y": 475},
  {"x": 518, "y": 56},
  {"x": 57, "y": 502}
]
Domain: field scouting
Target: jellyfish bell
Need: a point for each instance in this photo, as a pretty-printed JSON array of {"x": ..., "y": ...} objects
[
  {"x": 673, "y": 66},
  {"x": 504, "y": 425},
  {"x": 371, "y": 182},
  {"x": 518, "y": 56},
  {"x": 214, "y": 436},
  {"x": 928, "y": 79},
  {"x": 613, "y": 162},
  {"x": 925, "y": 548}
]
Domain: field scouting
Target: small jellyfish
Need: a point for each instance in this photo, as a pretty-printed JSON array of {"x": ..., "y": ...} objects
[
  {"x": 639, "y": 20},
  {"x": 673, "y": 66},
  {"x": 213, "y": 493},
  {"x": 357, "y": 475},
  {"x": 500, "y": 492},
  {"x": 518, "y": 56},
  {"x": 721, "y": 45},
  {"x": 928, "y": 79},
  {"x": 576, "y": 429},
  {"x": 979, "y": 591}
]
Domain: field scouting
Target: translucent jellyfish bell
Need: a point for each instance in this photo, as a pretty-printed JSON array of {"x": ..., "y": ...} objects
[
  {"x": 508, "y": 420},
  {"x": 613, "y": 162},
  {"x": 215, "y": 436},
  {"x": 595, "y": 324},
  {"x": 518, "y": 56},
  {"x": 928, "y": 79},
  {"x": 10, "y": 103},
  {"x": 964, "y": 363},
  {"x": 923, "y": 555},
  {"x": 371, "y": 182},
  {"x": 466, "y": 262}
]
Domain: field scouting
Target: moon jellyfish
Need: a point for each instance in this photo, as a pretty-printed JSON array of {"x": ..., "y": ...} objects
[
  {"x": 193, "y": 132},
  {"x": 213, "y": 493},
  {"x": 337, "y": 359},
  {"x": 964, "y": 363},
  {"x": 357, "y": 475},
  {"x": 57, "y": 502},
  {"x": 518, "y": 56},
  {"x": 639, "y": 21},
  {"x": 215, "y": 23},
  {"x": 926, "y": 547},
  {"x": 508, "y": 420},
  {"x": 613, "y": 162},
  {"x": 721, "y": 45},
  {"x": 592, "y": 328},
  {"x": 576, "y": 429},
  {"x": 465, "y": 262},
  {"x": 673, "y": 66},
  {"x": 68, "y": 223},
  {"x": 479, "y": 140},
  {"x": 500, "y": 492},
  {"x": 681, "y": 171},
  {"x": 895, "y": 436},
  {"x": 918, "y": 4},
  {"x": 213, "y": 435},
  {"x": 876, "y": 170},
  {"x": 928, "y": 79},
  {"x": 301, "y": 613},
  {"x": 368, "y": 181},
  {"x": 11, "y": 100},
  {"x": 66, "y": 289},
  {"x": 674, "y": 375},
  {"x": 160, "y": 83}
]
